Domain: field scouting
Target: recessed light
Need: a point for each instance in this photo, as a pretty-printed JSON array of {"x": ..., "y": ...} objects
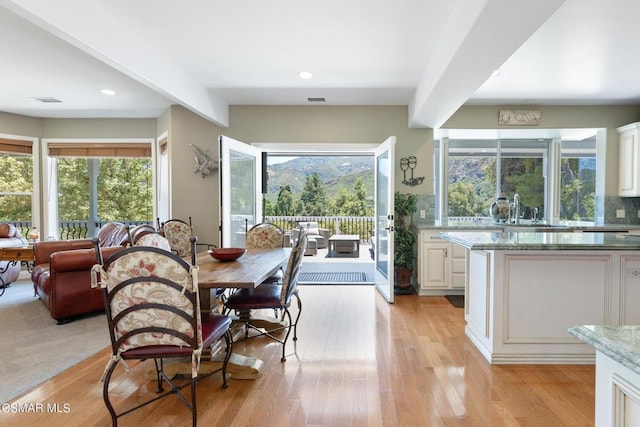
[
  {"x": 47, "y": 99},
  {"x": 496, "y": 73},
  {"x": 305, "y": 75},
  {"x": 108, "y": 92}
]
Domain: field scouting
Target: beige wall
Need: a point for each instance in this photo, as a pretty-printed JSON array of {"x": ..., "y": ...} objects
[
  {"x": 606, "y": 116},
  {"x": 330, "y": 125},
  {"x": 197, "y": 197},
  {"x": 192, "y": 195}
]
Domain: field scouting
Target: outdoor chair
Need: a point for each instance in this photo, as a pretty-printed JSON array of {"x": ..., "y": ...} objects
[
  {"x": 314, "y": 232},
  {"x": 276, "y": 297},
  {"x": 153, "y": 312}
]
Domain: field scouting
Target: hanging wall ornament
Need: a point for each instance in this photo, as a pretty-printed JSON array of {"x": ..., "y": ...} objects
[
  {"x": 410, "y": 163},
  {"x": 204, "y": 164}
]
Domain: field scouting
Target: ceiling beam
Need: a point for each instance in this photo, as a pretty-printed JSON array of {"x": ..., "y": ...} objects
[
  {"x": 479, "y": 37},
  {"x": 125, "y": 51}
]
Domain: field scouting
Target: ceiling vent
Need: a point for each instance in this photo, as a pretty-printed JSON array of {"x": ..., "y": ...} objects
[
  {"x": 316, "y": 99},
  {"x": 47, "y": 99}
]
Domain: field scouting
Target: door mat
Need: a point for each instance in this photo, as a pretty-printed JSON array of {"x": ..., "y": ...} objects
[
  {"x": 456, "y": 300},
  {"x": 351, "y": 278}
]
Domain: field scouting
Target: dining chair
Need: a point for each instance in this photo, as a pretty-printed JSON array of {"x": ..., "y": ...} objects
[
  {"x": 276, "y": 297},
  {"x": 154, "y": 240},
  {"x": 179, "y": 234},
  {"x": 266, "y": 235},
  {"x": 153, "y": 312}
]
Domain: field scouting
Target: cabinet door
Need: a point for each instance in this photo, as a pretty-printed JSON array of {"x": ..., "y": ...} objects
[
  {"x": 628, "y": 165},
  {"x": 434, "y": 267},
  {"x": 458, "y": 259}
]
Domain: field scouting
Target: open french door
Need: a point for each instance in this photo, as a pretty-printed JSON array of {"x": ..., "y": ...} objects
[
  {"x": 384, "y": 209},
  {"x": 240, "y": 190}
]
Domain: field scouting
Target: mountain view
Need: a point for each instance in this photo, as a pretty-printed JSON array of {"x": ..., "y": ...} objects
[{"x": 334, "y": 171}]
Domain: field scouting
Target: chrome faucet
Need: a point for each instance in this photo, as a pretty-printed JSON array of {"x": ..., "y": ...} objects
[{"x": 516, "y": 203}]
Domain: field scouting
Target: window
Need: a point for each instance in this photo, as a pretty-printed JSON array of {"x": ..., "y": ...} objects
[
  {"x": 98, "y": 181},
  {"x": 578, "y": 180},
  {"x": 17, "y": 178},
  {"x": 478, "y": 170},
  {"x": 474, "y": 171}
]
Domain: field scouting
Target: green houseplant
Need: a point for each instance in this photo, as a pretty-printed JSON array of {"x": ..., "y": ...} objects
[{"x": 405, "y": 205}]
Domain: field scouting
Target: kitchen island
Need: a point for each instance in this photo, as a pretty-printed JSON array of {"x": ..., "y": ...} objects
[
  {"x": 617, "y": 372},
  {"x": 524, "y": 290}
]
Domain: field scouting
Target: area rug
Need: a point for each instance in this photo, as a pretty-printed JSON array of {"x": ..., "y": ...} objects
[
  {"x": 34, "y": 348},
  {"x": 342, "y": 278}
]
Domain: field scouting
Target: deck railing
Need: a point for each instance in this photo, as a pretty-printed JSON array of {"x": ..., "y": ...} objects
[
  {"x": 360, "y": 225},
  {"x": 69, "y": 230}
]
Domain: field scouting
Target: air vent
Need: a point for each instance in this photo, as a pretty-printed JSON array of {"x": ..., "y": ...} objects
[
  {"x": 47, "y": 99},
  {"x": 316, "y": 99}
]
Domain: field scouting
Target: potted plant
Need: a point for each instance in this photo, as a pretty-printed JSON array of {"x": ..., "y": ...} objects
[{"x": 404, "y": 240}]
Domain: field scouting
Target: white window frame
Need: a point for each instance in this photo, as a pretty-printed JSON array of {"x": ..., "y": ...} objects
[
  {"x": 50, "y": 175},
  {"x": 35, "y": 194}
]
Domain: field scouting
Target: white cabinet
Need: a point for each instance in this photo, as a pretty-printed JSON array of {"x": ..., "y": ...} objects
[
  {"x": 441, "y": 265},
  {"x": 629, "y": 178}
]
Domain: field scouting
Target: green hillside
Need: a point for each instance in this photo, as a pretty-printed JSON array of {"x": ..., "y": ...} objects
[{"x": 334, "y": 171}]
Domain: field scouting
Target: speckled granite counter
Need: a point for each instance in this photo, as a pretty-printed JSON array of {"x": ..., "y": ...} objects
[
  {"x": 484, "y": 224},
  {"x": 617, "y": 372},
  {"x": 507, "y": 241},
  {"x": 620, "y": 343},
  {"x": 523, "y": 290}
]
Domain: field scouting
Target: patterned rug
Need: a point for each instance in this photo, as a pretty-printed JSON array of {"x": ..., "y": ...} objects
[
  {"x": 350, "y": 278},
  {"x": 34, "y": 348}
]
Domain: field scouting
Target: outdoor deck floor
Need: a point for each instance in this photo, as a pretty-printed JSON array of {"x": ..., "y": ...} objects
[{"x": 322, "y": 263}]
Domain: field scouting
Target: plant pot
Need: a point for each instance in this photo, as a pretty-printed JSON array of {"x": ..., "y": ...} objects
[{"x": 403, "y": 277}]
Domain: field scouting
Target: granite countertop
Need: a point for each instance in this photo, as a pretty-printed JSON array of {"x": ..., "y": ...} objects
[
  {"x": 488, "y": 224},
  {"x": 523, "y": 240},
  {"x": 620, "y": 343}
]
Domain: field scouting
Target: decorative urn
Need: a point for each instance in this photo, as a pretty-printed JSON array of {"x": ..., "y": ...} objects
[{"x": 499, "y": 210}]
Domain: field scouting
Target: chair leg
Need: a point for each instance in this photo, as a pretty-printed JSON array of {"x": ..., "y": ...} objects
[
  {"x": 228, "y": 339},
  {"x": 105, "y": 395},
  {"x": 194, "y": 411},
  {"x": 284, "y": 341},
  {"x": 295, "y": 325},
  {"x": 159, "y": 371}
]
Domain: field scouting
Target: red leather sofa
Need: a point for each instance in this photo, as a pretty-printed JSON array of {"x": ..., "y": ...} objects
[{"x": 62, "y": 272}]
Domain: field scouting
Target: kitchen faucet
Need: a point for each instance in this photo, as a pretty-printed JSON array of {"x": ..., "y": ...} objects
[{"x": 516, "y": 208}]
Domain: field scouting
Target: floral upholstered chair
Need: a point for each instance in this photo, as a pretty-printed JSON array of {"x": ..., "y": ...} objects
[
  {"x": 154, "y": 240},
  {"x": 277, "y": 297},
  {"x": 153, "y": 312},
  {"x": 179, "y": 233},
  {"x": 265, "y": 235}
]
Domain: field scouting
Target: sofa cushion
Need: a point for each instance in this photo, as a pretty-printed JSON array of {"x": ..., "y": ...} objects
[{"x": 7, "y": 230}]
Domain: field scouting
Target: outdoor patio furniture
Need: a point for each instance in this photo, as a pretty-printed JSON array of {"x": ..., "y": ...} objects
[{"x": 321, "y": 235}]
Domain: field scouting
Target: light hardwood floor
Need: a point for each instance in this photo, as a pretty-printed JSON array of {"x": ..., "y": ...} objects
[{"x": 358, "y": 362}]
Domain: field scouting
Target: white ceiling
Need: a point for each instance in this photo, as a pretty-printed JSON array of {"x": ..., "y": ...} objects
[{"x": 432, "y": 55}]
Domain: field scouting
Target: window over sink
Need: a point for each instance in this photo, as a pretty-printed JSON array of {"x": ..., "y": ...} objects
[{"x": 554, "y": 177}]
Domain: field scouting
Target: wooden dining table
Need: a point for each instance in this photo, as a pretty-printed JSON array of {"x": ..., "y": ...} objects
[{"x": 247, "y": 272}]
